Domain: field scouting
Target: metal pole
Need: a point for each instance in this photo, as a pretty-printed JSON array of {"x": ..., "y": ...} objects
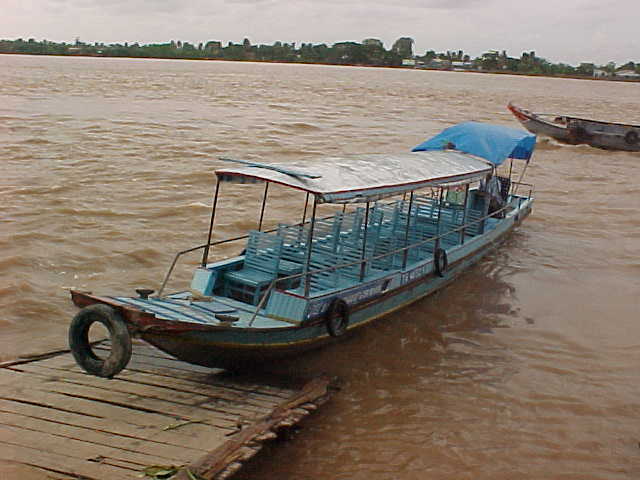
[
  {"x": 515, "y": 190},
  {"x": 205, "y": 254},
  {"x": 304, "y": 214},
  {"x": 307, "y": 284},
  {"x": 437, "y": 245},
  {"x": 510, "y": 170},
  {"x": 406, "y": 232},
  {"x": 364, "y": 243},
  {"x": 264, "y": 202},
  {"x": 464, "y": 212}
]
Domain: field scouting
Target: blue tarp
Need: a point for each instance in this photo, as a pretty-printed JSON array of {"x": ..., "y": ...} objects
[{"x": 492, "y": 142}]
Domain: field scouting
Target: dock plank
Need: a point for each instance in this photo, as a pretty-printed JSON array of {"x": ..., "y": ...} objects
[
  {"x": 170, "y": 453},
  {"x": 62, "y": 464},
  {"x": 209, "y": 396},
  {"x": 152, "y": 395},
  {"x": 79, "y": 449},
  {"x": 57, "y": 420},
  {"x": 186, "y": 436},
  {"x": 171, "y": 368}
]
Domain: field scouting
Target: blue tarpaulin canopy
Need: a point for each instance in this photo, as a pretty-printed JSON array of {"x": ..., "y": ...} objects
[{"x": 492, "y": 142}]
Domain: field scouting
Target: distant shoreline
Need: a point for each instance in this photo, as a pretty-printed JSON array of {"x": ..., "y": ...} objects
[{"x": 398, "y": 67}]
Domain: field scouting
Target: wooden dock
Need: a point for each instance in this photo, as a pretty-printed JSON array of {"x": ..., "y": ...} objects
[{"x": 57, "y": 422}]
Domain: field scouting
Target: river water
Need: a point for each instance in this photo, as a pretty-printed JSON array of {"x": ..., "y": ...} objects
[{"x": 527, "y": 367}]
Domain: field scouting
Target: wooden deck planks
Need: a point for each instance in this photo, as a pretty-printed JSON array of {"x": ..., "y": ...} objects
[{"x": 59, "y": 421}]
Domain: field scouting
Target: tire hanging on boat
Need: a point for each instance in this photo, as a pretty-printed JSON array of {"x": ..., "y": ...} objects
[
  {"x": 337, "y": 317},
  {"x": 118, "y": 333},
  {"x": 631, "y": 137},
  {"x": 440, "y": 261}
]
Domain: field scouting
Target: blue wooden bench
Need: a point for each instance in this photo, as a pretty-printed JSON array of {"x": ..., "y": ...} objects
[{"x": 260, "y": 268}]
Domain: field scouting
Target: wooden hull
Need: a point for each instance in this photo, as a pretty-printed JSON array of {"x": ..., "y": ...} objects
[
  {"x": 580, "y": 131},
  {"x": 239, "y": 347}
]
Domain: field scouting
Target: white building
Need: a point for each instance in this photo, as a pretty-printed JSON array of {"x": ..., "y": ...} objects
[{"x": 628, "y": 74}]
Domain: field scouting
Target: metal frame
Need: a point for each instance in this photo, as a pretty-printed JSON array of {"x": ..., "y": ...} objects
[
  {"x": 307, "y": 272},
  {"x": 264, "y": 202},
  {"x": 307, "y": 282},
  {"x": 205, "y": 255}
]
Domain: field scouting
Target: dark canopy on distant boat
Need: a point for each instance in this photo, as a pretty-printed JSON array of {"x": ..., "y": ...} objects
[{"x": 492, "y": 142}]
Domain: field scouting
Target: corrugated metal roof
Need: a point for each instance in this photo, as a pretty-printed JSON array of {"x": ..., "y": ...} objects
[{"x": 365, "y": 177}]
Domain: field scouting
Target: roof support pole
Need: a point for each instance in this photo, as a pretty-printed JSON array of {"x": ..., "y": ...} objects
[
  {"x": 405, "y": 254},
  {"x": 264, "y": 202},
  {"x": 304, "y": 218},
  {"x": 465, "y": 207},
  {"x": 515, "y": 190},
  {"x": 306, "y": 204},
  {"x": 510, "y": 171},
  {"x": 440, "y": 203},
  {"x": 307, "y": 277},
  {"x": 205, "y": 255},
  {"x": 364, "y": 244}
]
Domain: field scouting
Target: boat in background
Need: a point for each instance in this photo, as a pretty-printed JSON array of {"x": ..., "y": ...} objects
[
  {"x": 384, "y": 230},
  {"x": 577, "y": 131}
]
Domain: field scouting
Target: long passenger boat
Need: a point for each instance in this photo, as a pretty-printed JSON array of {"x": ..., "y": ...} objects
[
  {"x": 580, "y": 131},
  {"x": 393, "y": 229}
]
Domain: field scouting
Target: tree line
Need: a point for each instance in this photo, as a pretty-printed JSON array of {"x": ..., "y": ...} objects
[{"x": 369, "y": 52}]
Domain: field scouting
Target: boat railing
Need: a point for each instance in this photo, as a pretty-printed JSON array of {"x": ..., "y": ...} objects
[
  {"x": 530, "y": 187},
  {"x": 288, "y": 280},
  {"x": 212, "y": 244}
]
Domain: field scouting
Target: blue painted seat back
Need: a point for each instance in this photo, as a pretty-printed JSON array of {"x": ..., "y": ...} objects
[
  {"x": 294, "y": 242},
  {"x": 351, "y": 231},
  {"x": 326, "y": 233},
  {"x": 352, "y": 252},
  {"x": 263, "y": 252},
  {"x": 323, "y": 276},
  {"x": 475, "y": 225}
]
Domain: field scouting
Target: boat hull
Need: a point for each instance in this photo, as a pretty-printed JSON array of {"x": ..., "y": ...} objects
[
  {"x": 238, "y": 348},
  {"x": 580, "y": 131}
]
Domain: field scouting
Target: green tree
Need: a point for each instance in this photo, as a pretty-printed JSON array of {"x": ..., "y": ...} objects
[{"x": 403, "y": 47}]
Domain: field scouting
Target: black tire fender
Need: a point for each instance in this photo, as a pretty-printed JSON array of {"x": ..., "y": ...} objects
[
  {"x": 337, "y": 317},
  {"x": 440, "y": 262},
  {"x": 631, "y": 137},
  {"x": 119, "y": 335}
]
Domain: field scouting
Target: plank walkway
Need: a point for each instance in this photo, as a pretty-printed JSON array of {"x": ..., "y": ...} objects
[{"x": 65, "y": 424}]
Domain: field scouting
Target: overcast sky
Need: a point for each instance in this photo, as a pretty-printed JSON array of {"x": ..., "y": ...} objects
[{"x": 569, "y": 31}]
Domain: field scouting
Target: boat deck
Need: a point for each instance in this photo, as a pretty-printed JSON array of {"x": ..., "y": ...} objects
[{"x": 56, "y": 422}]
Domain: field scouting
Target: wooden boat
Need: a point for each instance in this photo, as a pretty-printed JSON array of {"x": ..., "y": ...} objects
[
  {"x": 576, "y": 131},
  {"x": 399, "y": 227}
]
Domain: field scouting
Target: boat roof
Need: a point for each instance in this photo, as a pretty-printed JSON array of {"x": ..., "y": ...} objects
[
  {"x": 363, "y": 177},
  {"x": 492, "y": 142}
]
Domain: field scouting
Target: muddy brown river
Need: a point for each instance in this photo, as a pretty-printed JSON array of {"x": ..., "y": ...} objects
[{"x": 527, "y": 367}]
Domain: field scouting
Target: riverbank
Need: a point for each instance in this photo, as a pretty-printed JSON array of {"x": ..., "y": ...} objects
[{"x": 402, "y": 67}]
